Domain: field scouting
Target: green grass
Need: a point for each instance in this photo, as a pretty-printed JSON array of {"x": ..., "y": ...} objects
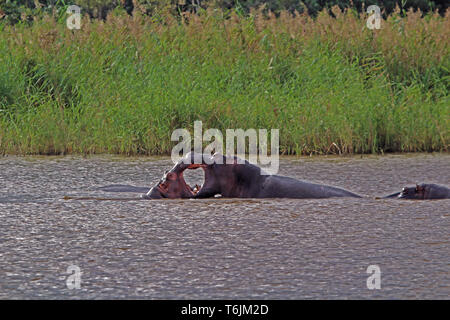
[{"x": 123, "y": 86}]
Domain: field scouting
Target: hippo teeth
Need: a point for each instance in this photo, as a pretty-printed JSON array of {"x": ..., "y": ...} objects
[{"x": 196, "y": 189}]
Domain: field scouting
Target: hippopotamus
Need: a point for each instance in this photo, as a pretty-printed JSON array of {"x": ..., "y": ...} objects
[
  {"x": 236, "y": 178},
  {"x": 422, "y": 192},
  {"x": 171, "y": 186}
]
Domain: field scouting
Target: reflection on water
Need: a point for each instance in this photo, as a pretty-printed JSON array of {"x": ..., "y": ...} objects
[{"x": 221, "y": 248}]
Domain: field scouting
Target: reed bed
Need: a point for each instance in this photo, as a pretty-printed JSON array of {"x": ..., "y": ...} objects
[{"x": 329, "y": 84}]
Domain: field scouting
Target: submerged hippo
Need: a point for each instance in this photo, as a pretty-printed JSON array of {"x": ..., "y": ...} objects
[
  {"x": 236, "y": 178},
  {"x": 423, "y": 192}
]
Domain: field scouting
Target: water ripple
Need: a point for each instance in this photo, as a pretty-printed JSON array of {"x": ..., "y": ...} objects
[{"x": 221, "y": 248}]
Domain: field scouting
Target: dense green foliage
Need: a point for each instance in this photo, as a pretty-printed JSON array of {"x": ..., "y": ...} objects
[{"x": 123, "y": 85}]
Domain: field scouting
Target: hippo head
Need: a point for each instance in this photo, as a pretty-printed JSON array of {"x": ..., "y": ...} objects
[
  {"x": 171, "y": 186},
  {"x": 220, "y": 177},
  {"x": 426, "y": 191},
  {"x": 224, "y": 175},
  {"x": 418, "y": 192}
]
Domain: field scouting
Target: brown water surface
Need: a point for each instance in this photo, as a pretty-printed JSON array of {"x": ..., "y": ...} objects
[{"x": 221, "y": 248}]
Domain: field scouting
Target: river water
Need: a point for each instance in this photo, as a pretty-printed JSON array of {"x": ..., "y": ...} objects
[{"x": 221, "y": 248}]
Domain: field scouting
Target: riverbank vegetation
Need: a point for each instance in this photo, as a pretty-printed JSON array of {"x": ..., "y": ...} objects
[{"x": 122, "y": 84}]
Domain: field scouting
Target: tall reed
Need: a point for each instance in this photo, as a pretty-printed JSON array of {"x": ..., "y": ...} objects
[{"x": 123, "y": 85}]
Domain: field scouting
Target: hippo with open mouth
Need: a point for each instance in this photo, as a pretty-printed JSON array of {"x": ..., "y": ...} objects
[
  {"x": 171, "y": 186},
  {"x": 236, "y": 178},
  {"x": 422, "y": 192}
]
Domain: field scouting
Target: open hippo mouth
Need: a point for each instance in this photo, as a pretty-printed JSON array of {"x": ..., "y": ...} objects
[
  {"x": 173, "y": 185},
  {"x": 196, "y": 188}
]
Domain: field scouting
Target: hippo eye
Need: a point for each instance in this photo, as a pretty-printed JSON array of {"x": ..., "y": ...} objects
[{"x": 171, "y": 176}]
